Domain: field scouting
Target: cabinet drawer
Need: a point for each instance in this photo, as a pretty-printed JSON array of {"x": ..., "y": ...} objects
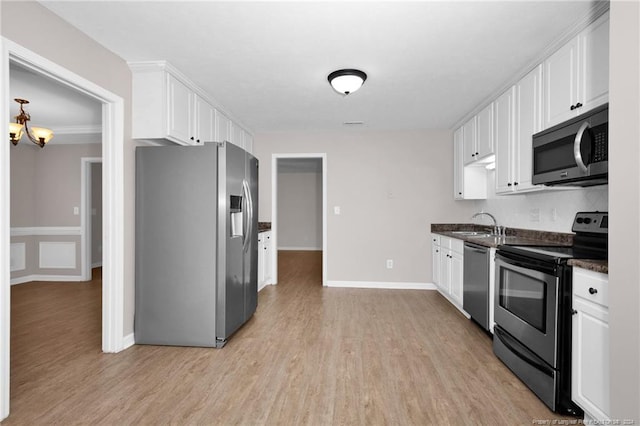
[{"x": 592, "y": 286}]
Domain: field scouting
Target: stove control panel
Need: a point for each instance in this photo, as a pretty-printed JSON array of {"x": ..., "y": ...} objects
[{"x": 592, "y": 222}]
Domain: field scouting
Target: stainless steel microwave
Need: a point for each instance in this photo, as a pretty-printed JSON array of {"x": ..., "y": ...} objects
[{"x": 574, "y": 153}]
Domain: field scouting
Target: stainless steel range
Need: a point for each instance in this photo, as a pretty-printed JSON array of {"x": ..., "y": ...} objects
[{"x": 532, "y": 335}]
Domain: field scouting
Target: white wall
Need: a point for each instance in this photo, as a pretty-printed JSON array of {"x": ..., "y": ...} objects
[
  {"x": 67, "y": 46},
  {"x": 517, "y": 211},
  {"x": 624, "y": 234},
  {"x": 299, "y": 210},
  {"x": 390, "y": 187}
]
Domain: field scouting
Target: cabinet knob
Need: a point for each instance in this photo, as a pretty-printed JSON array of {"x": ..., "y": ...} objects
[
  {"x": 191, "y": 138},
  {"x": 198, "y": 140},
  {"x": 578, "y": 105},
  {"x": 477, "y": 153},
  {"x": 592, "y": 290},
  {"x": 573, "y": 312},
  {"x": 509, "y": 184},
  {"x": 572, "y": 107},
  {"x": 515, "y": 183},
  {"x": 459, "y": 193}
]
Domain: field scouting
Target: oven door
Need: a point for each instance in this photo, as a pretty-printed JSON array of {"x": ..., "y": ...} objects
[{"x": 526, "y": 303}]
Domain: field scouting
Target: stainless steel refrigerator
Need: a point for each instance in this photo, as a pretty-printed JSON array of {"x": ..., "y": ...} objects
[{"x": 196, "y": 243}]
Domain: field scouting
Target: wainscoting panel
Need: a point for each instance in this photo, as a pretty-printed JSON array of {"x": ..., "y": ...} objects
[
  {"x": 57, "y": 255},
  {"x": 18, "y": 257}
]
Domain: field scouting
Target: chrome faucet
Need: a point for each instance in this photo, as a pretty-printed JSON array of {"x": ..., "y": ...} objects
[{"x": 496, "y": 228}]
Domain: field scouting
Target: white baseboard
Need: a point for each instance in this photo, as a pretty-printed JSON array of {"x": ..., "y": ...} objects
[
  {"x": 301, "y": 248},
  {"x": 45, "y": 230},
  {"x": 29, "y": 278},
  {"x": 128, "y": 341},
  {"x": 382, "y": 285}
]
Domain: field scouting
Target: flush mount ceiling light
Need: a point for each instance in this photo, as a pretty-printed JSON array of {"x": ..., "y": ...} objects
[
  {"x": 38, "y": 135},
  {"x": 346, "y": 81}
]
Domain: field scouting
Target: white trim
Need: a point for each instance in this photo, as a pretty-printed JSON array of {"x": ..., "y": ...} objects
[
  {"x": 274, "y": 210},
  {"x": 39, "y": 277},
  {"x": 301, "y": 248},
  {"x": 85, "y": 215},
  {"x": 113, "y": 203},
  {"x": 96, "y": 265},
  {"x": 29, "y": 231},
  {"x": 18, "y": 256},
  {"x": 77, "y": 130},
  {"x": 382, "y": 285},
  {"x": 128, "y": 341},
  {"x": 57, "y": 254}
]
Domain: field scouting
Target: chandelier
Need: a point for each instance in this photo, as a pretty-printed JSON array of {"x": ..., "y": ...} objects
[{"x": 38, "y": 135}]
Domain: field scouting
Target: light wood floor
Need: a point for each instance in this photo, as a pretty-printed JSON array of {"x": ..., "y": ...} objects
[{"x": 310, "y": 355}]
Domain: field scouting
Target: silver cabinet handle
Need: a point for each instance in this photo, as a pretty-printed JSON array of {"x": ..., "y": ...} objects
[{"x": 576, "y": 147}]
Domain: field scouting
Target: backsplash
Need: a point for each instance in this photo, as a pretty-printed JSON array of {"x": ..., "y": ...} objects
[{"x": 546, "y": 210}]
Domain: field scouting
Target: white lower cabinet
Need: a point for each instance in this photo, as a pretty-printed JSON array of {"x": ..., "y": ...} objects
[
  {"x": 447, "y": 257},
  {"x": 590, "y": 344},
  {"x": 265, "y": 258}
]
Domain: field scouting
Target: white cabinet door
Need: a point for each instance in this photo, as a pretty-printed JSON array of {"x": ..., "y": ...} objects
[
  {"x": 456, "y": 277},
  {"x": 180, "y": 106},
  {"x": 435, "y": 263},
  {"x": 503, "y": 134},
  {"x": 528, "y": 120},
  {"x": 576, "y": 77},
  {"x": 484, "y": 134},
  {"x": 590, "y": 344},
  {"x": 236, "y": 135},
  {"x": 268, "y": 257},
  {"x": 458, "y": 166},
  {"x": 205, "y": 122},
  {"x": 445, "y": 271},
  {"x": 594, "y": 64},
  {"x": 248, "y": 143},
  {"x": 223, "y": 127},
  {"x": 261, "y": 261},
  {"x": 469, "y": 149},
  {"x": 560, "y": 74}
]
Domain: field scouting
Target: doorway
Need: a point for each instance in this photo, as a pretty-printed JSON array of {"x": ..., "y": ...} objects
[
  {"x": 113, "y": 187},
  {"x": 306, "y": 176}
]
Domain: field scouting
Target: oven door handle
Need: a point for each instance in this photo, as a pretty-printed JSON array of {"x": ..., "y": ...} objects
[
  {"x": 511, "y": 344},
  {"x": 526, "y": 263}
]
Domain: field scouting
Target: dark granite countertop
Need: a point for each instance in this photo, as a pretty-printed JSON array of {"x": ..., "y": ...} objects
[
  {"x": 517, "y": 236},
  {"x": 601, "y": 266},
  {"x": 264, "y": 226}
]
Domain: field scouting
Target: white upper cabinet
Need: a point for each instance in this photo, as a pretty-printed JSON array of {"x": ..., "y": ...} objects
[
  {"x": 528, "y": 120},
  {"x": 248, "y": 143},
  {"x": 478, "y": 136},
  {"x": 237, "y": 135},
  {"x": 469, "y": 147},
  {"x": 469, "y": 181},
  {"x": 181, "y": 115},
  {"x": 518, "y": 117},
  {"x": 167, "y": 106},
  {"x": 503, "y": 125},
  {"x": 205, "y": 122},
  {"x": 484, "y": 134},
  {"x": 223, "y": 127},
  {"x": 576, "y": 77}
]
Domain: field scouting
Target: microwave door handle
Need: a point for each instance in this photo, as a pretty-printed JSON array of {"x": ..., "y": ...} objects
[{"x": 577, "y": 155}]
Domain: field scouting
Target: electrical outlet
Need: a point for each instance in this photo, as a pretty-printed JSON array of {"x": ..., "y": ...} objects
[
  {"x": 389, "y": 263},
  {"x": 76, "y": 211},
  {"x": 336, "y": 210}
]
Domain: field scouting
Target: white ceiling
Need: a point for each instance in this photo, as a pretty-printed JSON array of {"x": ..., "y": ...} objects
[
  {"x": 73, "y": 116},
  {"x": 429, "y": 63}
]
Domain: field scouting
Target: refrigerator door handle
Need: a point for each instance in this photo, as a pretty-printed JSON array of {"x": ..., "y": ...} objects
[{"x": 249, "y": 214}]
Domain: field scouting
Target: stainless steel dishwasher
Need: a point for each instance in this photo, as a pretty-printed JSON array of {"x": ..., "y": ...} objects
[{"x": 475, "y": 283}]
